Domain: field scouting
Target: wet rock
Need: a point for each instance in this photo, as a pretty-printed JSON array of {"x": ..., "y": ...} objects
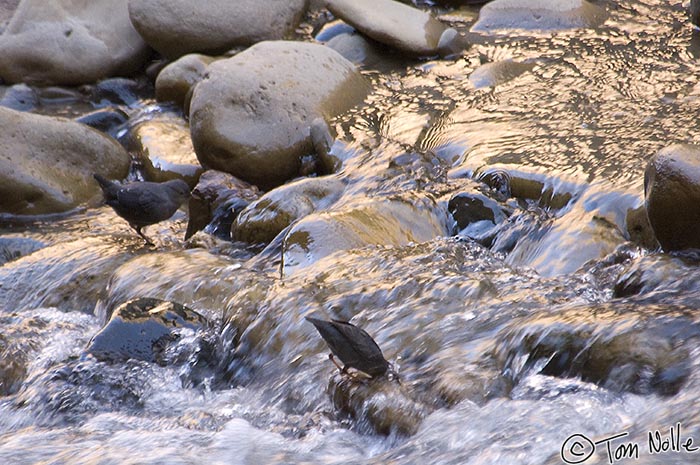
[
  {"x": 108, "y": 120},
  {"x": 48, "y": 162},
  {"x": 251, "y": 115},
  {"x": 544, "y": 15},
  {"x": 381, "y": 404},
  {"x": 141, "y": 329},
  {"x": 70, "y": 276},
  {"x": 660, "y": 274},
  {"x": 500, "y": 72},
  {"x": 399, "y": 26},
  {"x": 12, "y": 248},
  {"x": 20, "y": 97},
  {"x": 621, "y": 347},
  {"x": 165, "y": 146},
  {"x": 212, "y": 27},
  {"x": 265, "y": 218},
  {"x": 672, "y": 189},
  {"x": 13, "y": 365},
  {"x": 355, "y": 48},
  {"x": 78, "y": 44},
  {"x": 475, "y": 214},
  {"x": 175, "y": 80},
  {"x": 216, "y": 201},
  {"x": 395, "y": 221},
  {"x": 639, "y": 229},
  {"x": 123, "y": 91},
  {"x": 695, "y": 12}
]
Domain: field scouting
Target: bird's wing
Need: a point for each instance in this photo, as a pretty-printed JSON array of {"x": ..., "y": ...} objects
[{"x": 365, "y": 346}]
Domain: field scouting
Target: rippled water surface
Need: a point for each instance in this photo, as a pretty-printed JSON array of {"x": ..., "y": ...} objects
[{"x": 508, "y": 340}]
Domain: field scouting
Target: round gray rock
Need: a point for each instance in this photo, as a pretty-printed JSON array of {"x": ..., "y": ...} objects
[
  {"x": 672, "y": 189},
  {"x": 70, "y": 42},
  {"x": 397, "y": 25},
  {"x": 543, "y": 15},
  {"x": 178, "y": 27},
  {"x": 251, "y": 115},
  {"x": 46, "y": 163},
  {"x": 175, "y": 80}
]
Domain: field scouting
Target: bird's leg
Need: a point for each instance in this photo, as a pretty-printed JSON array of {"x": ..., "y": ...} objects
[
  {"x": 138, "y": 230},
  {"x": 342, "y": 369}
]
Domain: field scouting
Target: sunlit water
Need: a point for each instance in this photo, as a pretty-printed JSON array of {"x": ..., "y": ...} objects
[{"x": 506, "y": 347}]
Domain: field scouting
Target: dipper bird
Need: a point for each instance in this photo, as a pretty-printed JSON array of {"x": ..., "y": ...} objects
[
  {"x": 144, "y": 203},
  {"x": 353, "y": 346}
]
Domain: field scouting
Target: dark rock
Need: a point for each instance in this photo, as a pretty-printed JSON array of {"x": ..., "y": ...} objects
[
  {"x": 107, "y": 120},
  {"x": 216, "y": 201},
  {"x": 141, "y": 329},
  {"x": 672, "y": 189},
  {"x": 475, "y": 214},
  {"x": 20, "y": 97},
  {"x": 12, "y": 248}
]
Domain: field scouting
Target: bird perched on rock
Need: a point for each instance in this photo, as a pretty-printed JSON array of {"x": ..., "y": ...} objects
[
  {"x": 144, "y": 203},
  {"x": 353, "y": 346}
]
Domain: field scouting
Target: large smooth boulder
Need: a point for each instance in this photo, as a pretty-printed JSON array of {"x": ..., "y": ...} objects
[
  {"x": 70, "y": 42},
  {"x": 541, "y": 15},
  {"x": 672, "y": 189},
  {"x": 178, "y": 27},
  {"x": 46, "y": 163},
  {"x": 399, "y": 26},
  {"x": 251, "y": 115}
]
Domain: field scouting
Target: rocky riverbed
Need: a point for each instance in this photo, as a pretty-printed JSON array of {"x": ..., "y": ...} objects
[{"x": 504, "y": 195}]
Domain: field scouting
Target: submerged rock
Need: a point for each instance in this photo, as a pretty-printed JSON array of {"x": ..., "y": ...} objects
[
  {"x": 177, "y": 27},
  {"x": 395, "y": 221},
  {"x": 543, "y": 15},
  {"x": 12, "y": 248},
  {"x": 216, "y": 201},
  {"x": 382, "y": 404},
  {"x": 476, "y": 214},
  {"x": 265, "y": 218},
  {"x": 47, "y": 163},
  {"x": 175, "y": 81},
  {"x": 499, "y": 72},
  {"x": 672, "y": 189},
  {"x": 251, "y": 115},
  {"x": 141, "y": 329},
  {"x": 399, "y": 26},
  {"x": 107, "y": 120},
  {"x": 78, "y": 44}
]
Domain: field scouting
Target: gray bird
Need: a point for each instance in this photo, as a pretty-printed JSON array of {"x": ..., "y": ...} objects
[
  {"x": 353, "y": 346},
  {"x": 144, "y": 203}
]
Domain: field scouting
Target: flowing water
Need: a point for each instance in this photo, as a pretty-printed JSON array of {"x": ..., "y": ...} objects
[{"x": 510, "y": 339}]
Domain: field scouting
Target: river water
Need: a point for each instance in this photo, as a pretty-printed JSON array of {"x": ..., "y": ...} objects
[{"x": 521, "y": 343}]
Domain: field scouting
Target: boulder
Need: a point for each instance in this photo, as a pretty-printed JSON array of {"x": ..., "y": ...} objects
[
  {"x": 251, "y": 115},
  {"x": 541, "y": 15},
  {"x": 175, "y": 80},
  {"x": 70, "y": 42},
  {"x": 263, "y": 219},
  {"x": 672, "y": 190},
  {"x": 179, "y": 27},
  {"x": 141, "y": 329},
  {"x": 399, "y": 26},
  {"x": 47, "y": 163}
]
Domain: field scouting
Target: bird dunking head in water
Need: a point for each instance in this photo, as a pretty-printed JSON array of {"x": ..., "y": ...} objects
[
  {"x": 144, "y": 203},
  {"x": 353, "y": 346}
]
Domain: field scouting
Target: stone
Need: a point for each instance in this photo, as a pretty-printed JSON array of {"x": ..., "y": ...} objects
[
  {"x": 175, "y": 80},
  {"x": 475, "y": 214},
  {"x": 216, "y": 201},
  {"x": 388, "y": 222},
  {"x": 672, "y": 192},
  {"x": 251, "y": 115},
  {"x": 141, "y": 329},
  {"x": 542, "y": 15},
  {"x": 165, "y": 147},
  {"x": 499, "y": 72},
  {"x": 400, "y": 26},
  {"x": 695, "y": 12},
  {"x": 107, "y": 120},
  {"x": 46, "y": 163},
  {"x": 70, "y": 42},
  {"x": 265, "y": 218},
  {"x": 214, "y": 26}
]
